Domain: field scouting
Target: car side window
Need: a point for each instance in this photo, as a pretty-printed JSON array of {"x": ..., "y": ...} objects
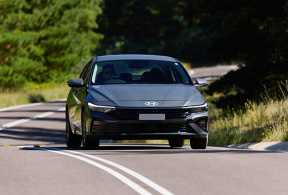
[{"x": 85, "y": 73}]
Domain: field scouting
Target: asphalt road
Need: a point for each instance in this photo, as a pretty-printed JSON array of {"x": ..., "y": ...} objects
[
  {"x": 211, "y": 73},
  {"x": 123, "y": 168}
]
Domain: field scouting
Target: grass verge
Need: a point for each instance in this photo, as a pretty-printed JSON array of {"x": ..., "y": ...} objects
[
  {"x": 34, "y": 93},
  {"x": 256, "y": 122}
]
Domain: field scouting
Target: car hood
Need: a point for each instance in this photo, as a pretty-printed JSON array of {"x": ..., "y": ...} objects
[{"x": 136, "y": 95}]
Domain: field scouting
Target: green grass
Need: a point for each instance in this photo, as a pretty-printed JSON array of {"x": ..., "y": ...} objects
[
  {"x": 34, "y": 93},
  {"x": 187, "y": 142},
  {"x": 256, "y": 122}
]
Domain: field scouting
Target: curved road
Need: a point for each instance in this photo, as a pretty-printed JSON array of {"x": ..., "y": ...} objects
[
  {"x": 211, "y": 73},
  {"x": 27, "y": 168}
]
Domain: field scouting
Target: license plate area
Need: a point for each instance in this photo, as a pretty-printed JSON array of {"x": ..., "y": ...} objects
[{"x": 151, "y": 117}]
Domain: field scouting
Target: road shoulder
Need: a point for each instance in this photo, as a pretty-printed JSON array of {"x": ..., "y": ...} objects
[{"x": 269, "y": 146}]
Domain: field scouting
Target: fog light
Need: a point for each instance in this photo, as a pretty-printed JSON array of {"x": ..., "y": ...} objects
[
  {"x": 202, "y": 124},
  {"x": 97, "y": 123}
]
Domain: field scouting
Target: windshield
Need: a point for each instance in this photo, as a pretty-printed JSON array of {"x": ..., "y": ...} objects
[{"x": 139, "y": 71}]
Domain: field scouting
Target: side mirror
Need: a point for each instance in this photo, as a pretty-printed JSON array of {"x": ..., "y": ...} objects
[
  {"x": 201, "y": 82},
  {"x": 76, "y": 83}
]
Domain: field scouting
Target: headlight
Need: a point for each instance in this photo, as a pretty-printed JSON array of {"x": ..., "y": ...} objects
[
  {"x": 201, "y": 108},
  {"x": 98, "y": 108}
]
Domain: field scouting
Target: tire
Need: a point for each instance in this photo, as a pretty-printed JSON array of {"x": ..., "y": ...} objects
[
  {"x": 176, "y": 143},
  {"x": 72, "y": 140},
  {"x": 199, "y": 143},
  {"x": 88, "y": 143}
]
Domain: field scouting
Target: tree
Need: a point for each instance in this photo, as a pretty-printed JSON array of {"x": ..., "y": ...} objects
[
  {"x": 167, "y": 27},
  {"x": 253, "y": 32},
  {"x": 40, "y": 39}
]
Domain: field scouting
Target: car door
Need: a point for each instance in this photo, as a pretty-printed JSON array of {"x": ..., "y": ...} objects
[{"x": 79, "y": 94}]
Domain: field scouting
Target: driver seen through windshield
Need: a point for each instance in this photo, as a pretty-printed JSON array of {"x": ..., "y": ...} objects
[{"x": 139, "y": 71}]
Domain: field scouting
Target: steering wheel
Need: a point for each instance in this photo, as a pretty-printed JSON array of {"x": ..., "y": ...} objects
[{"x": 113, "y": 78}]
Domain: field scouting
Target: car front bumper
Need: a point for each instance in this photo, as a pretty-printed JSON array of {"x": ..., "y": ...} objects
[{"x": 192, "y": 126}]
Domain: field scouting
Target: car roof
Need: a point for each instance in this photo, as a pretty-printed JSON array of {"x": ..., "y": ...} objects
[{"x": 135, "y": 57}]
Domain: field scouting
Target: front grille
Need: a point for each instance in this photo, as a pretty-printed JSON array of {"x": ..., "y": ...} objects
[
  {"x": 133, "y": 114},
  {"x": 145, "y": 128}
]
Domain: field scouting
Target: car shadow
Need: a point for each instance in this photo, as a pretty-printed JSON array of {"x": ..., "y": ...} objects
[
  {"x": 21, "y": 135},
  {"x": 136, "y": 149}
]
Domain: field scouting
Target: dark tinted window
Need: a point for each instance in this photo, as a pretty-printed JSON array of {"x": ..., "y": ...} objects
[
  {"x": 139, "y": 71},
  {"x": 85, "y": 73}
]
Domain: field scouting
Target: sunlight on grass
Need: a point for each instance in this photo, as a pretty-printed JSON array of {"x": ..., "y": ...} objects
[
  {"x": 187, "y": 65},
  {"x": 187, "y": 141},
  {"x": 34, "y": 93},
  {"x": 265, "y": 121}
]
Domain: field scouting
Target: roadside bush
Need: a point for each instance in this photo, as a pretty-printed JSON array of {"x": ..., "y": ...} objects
[
  {"x": 245, "y": 83},
  {"x": 254, "y": 122}
]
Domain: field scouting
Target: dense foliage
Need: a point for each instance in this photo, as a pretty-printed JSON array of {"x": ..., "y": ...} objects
[
  {"x": 169, "y": 27},
  {"x": 251, "y": 32},
  {"x": 42, "y": 39},
  {"x": 255, "y": 32}
]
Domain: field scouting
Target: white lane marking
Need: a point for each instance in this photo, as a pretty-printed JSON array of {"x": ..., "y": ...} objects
[
  {"x": 145, "y": 180},
  {"x": 119, "y": 176},
  {"x": 20, "y": 106},
  {"x": 18, "y": 122},
  {"x": 28, "y": 105}
]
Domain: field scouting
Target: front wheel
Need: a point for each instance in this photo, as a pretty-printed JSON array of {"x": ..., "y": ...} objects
[
  {"x": 176, "y": 143},
  {"x": 72, "y": 140},
  {"x": 199, "y": 143},
  {"x": 88, "y": 143}
]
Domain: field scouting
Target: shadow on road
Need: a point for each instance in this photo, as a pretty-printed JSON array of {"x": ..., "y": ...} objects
[
  {"x": 156, "y": 149},
  {"x": 33, "y": 135}
]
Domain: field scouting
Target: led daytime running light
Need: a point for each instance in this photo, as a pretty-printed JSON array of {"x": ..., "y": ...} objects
[
  {"x": 98, "y": 108},
  {"x": 202, "y": 108}
]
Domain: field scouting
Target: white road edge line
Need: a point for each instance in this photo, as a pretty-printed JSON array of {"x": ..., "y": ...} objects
[
  {"x": 28, "y": 105},
  {"x": 119, "y": 176},
  {"x": 18, "y": 122},
  {"x": 20, "y": 106},
  {"x": 145, "y": 180}
]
